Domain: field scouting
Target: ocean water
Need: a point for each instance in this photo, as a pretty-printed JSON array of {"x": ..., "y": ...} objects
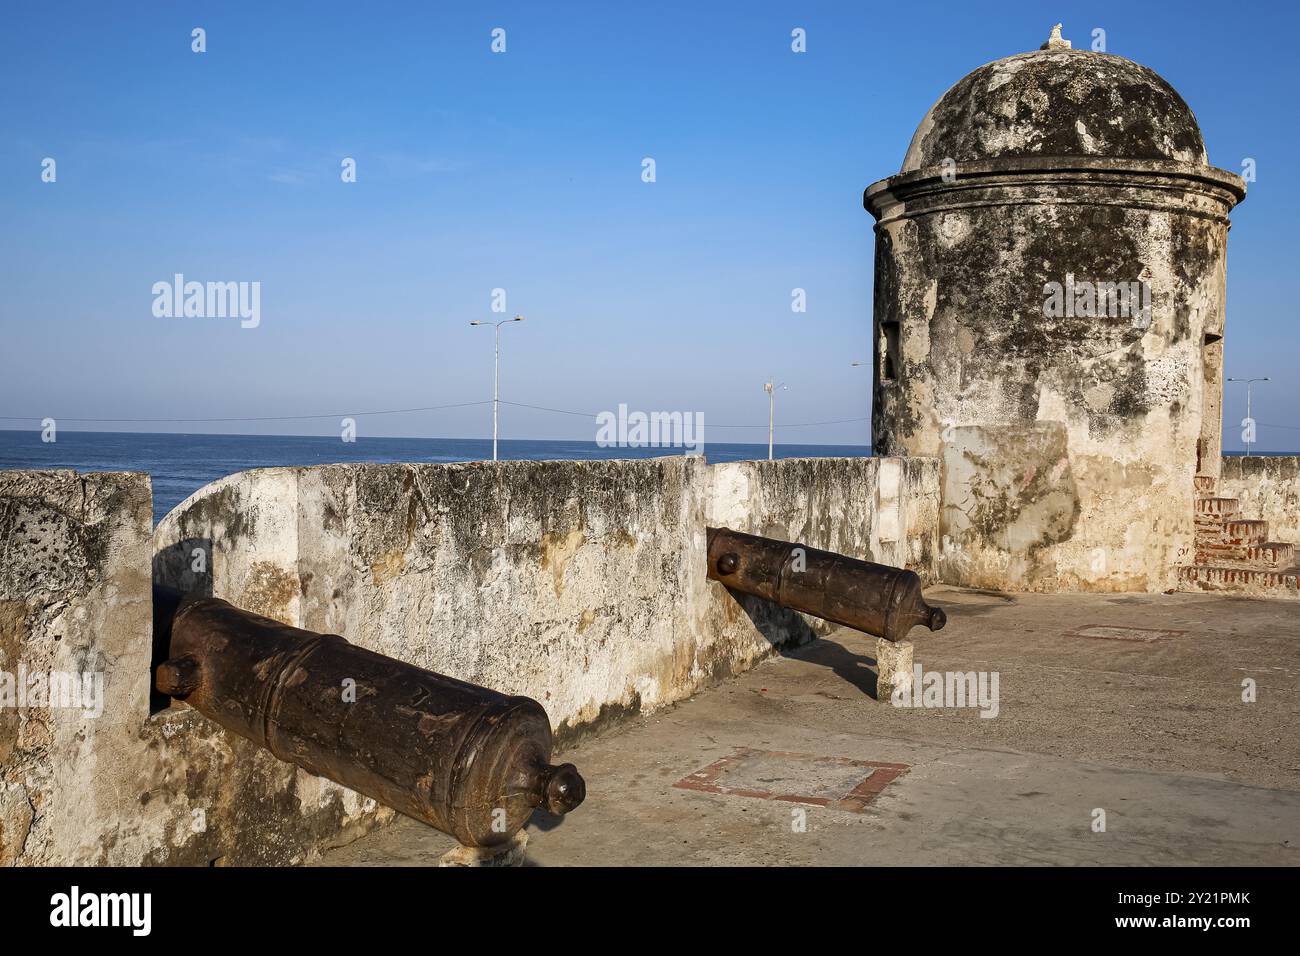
[{"x": 182, "y": 464}]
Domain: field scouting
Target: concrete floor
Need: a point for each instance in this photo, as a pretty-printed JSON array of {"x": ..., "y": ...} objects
[{"x": 1155, "y": 733}]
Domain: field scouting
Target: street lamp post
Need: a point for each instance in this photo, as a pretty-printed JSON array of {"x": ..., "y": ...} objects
[
  {"x": 1249, "y": 382},
  {"x": 770, "y": 388},
  {"x": 496, "y": 373}
]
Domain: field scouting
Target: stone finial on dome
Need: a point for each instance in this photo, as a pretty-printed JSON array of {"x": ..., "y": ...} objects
[{"x": 1056, "y": 41}]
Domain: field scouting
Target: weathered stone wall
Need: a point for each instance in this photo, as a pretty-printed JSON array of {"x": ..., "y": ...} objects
[
  {"x": 73, "y": 599},
  {"x": 122, "y": 787},
  {"x": 1268, "y": 488},
  {"x": 581, "y": 584}
]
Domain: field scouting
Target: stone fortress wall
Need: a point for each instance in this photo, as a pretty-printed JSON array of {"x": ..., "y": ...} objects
[{"x": 580, "y": 584}]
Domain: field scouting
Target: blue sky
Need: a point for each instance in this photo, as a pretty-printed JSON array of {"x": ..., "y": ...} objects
[{"x": 523, "y": 171}]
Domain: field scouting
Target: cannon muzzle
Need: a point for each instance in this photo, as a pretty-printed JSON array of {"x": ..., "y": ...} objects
[
  {"x": 874, "y": 598},
  {"x": 464, "y": 759}
]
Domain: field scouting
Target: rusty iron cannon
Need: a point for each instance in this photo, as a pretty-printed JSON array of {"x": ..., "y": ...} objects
[
  {"x": 875, "y": 598},
  {"x": 464, "y": 759}
]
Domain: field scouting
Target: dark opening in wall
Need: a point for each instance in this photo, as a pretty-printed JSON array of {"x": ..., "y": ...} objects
[
  {"x": 165, "y": 603},
  {"x": 1212, "y": 337},
  {"x": 179, "y": 569},
  {"x": 891, "y": 357}
]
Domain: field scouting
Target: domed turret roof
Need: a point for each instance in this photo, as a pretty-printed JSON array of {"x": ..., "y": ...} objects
[{"x": 1058, "y": 101}]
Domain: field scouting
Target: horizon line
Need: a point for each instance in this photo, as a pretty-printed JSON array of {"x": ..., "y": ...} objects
[{"x": 591, "y": 441}]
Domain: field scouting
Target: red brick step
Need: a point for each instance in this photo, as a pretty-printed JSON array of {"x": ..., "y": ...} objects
[
  {"x": 1245, "y": 532},
  {"x": 1259, "y": 581}
]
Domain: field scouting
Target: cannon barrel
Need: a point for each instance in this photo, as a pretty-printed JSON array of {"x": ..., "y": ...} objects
[
  {"x": 464, "y": 759},
  {"x": 874, "y": 598}
]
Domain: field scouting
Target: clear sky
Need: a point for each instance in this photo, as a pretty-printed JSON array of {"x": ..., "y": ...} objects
[{"x": 523, "y": 171}]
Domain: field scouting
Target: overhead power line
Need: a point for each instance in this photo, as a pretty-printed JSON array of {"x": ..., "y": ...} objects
[{"x": 565, "y": 411}]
